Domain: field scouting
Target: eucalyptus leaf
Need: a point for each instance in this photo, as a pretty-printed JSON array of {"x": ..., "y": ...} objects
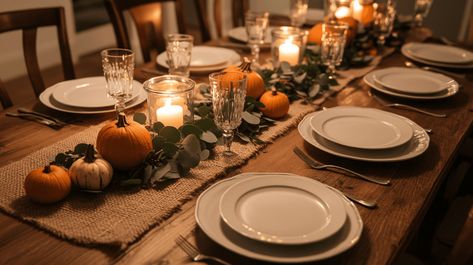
[
  {"x": 170, "y": 149},
  {"x": 171, "y": 134},
  {"x": 243, "y": 137},
  {"x": 81, "y": 149},
  {"x": 159, "y": 173},
  {"x": 286, "y": 68},
  {"x": 182, "y": 171},
  {"x": 314, "y": 90},
  {"x": 208, "y": 137},
  {"x": 188, "y": 129},
  {"x": 139, "y": 118},
  {"x": 172, "y": 175},
  {"x": 323, "y": 79},
  {"x": 60, "y": 159},
  {"x": 204, "y": 155},
  {"x": 250, "y": 118},
  {"x": 205, "y": 124},
  {"x": 191, "y": 144},
  {"x": 259, "y": 104},
  {"x": 157, "y": 126},
  {"x": 187, "y": 159},
  {"x": 298, "y": 79},
  {"x": 300, "y": 93},
  {"x": 158, "y": 142},
  {"x": 204, "y": 110}
]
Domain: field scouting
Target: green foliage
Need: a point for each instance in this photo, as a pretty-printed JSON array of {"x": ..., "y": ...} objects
[{"x": 67, "y": 158}]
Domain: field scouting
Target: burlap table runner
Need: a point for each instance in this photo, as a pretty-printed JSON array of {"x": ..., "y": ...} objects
[{"x": 119, "y": 217}]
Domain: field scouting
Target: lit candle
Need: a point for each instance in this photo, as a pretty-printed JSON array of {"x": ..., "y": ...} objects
[
  {"x": 289, "y": 52},
  {"x": 170, "y": 115},
  {"x": 357, "y": 10},
  {"x": 342, "y": 11}
]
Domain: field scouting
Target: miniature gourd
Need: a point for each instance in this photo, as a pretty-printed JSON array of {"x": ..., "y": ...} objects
[
  {"x": 124, "y": 144},
  {"x": 254, "y": 82},
  {"x": 276, "y": 104},
  {"x": 91, "y": 172},
  {"x": 47, "y": 184}
]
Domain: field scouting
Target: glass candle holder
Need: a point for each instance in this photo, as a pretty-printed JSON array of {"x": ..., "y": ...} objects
[
  {"x": 288, "y": 45},
  {"x": 170, "y": 100}
]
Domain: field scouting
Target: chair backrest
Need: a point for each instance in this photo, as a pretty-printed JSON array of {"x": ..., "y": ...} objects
[
  {"x": 29, "y": 21},
  {"x": 462, "y": 251},
  {"x": 147, "y": 16},
  {"x": 238, "y": 10}
]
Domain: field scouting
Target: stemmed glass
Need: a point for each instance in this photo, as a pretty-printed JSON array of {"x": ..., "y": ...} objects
[
  {"x": 118, "y": 65},
  {"x": 298, "y": 12},
  {"x": 256, "y": 24},
  {"x": 383, "y": 22},
  {"x": 334, "y": 37},
  {"x": 421, "y": 8},
  {"x": 228, "y": 99}
]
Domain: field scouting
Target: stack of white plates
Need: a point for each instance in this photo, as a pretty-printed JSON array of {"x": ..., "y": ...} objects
[
  {"x": 438, "y": 55},
  {"x": 278, "y": 217},
  {"x": 205, "y": 59},
  {"x": 364, "y": 134},
  {"x": 87, "y": 96},
  {"x": 412, "y": 83}
]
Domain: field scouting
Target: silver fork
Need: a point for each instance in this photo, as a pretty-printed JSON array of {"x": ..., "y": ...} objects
[
  {"x": 408, "y": 107},
  {"x": 317, "y": 165},
  {"x": 48, "y": 117},
  {"x": 37, "y": 119},
  {"x": 194, "y": 253}
]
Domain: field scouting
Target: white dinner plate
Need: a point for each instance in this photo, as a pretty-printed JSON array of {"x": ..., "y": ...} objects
[
  {"x": 407, "y": 51},
  {"x": 88, "y": 92},
  {"x": 204, "y": 56},
  {"x": 414, "y": 81},
  {"x": 231, "y": 58},
  {"x": 364, "y": 128},
  {"x": 239, "y": 34},
  {"x": 439, "y": 53},
  {"x": 209, "y": 220},
  {"x": 48, "y": 100},
  {"x": 415, "y": 147},
  {"x": 282, "y": 209},
  {"x": 451, "y": 90}
]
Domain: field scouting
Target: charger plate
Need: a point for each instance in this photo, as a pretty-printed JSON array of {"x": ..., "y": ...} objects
[{"x": 209, "y": 220}]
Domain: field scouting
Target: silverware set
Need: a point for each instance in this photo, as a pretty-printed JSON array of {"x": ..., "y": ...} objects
[
  {"x": 38, "y": 117},
  {"x": 317, "y": 165},
  {"x": 408, "y": 107}
]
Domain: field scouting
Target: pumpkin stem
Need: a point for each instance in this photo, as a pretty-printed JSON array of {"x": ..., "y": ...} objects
[
  {"x": 246, "y": 65},
  {"x": 274, "y": 92},
  {"x": 47, "y": 169},
  {"x": 90, "y": 154},
  {"x": 121, "y": 122}
]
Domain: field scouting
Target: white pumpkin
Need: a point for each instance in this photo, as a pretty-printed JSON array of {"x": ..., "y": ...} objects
[{"x": 90, "y": 172}]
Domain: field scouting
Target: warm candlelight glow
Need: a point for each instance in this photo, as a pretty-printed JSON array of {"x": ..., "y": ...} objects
[
  {"x": 170, "y": 115},
  {"x": 357, "y": 10},
  {"x": 289, "y": 52},
  {"x": 342, "y": 11}
]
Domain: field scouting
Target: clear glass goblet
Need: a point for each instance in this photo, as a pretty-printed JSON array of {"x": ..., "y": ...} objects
[
  {"x": 118, "y": 65},
  {"x": 256, "y": 24},
  {"x": 334, "y": 36},
  {"x": 383, "y": 22},
  {"x": 421, "y": 9},
  {"x": 228, "y": 91},
  {"x": 298, "y": 12}
]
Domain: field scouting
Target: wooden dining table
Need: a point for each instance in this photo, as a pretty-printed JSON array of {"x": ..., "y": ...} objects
[{"x": 387, "y": 229}]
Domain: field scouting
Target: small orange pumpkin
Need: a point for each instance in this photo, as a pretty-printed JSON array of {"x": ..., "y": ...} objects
[
  {"x": 124, "y": 144},
  {"x": 254, "y": 82},
  {"x": 48, "y": 184},
  {"x": 315, "y": 34},
  {"x": 276, "y": 104}
]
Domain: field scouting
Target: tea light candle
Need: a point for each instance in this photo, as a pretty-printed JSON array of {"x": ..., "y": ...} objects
[
  {"x": 170, "y": 115},
  {"x": 289, "y": 52},
  {"x": 342, "y": 11}
]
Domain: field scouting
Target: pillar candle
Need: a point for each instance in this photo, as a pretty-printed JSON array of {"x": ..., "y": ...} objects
[
  {"x": 170, "y": 115},
  {"x": 289, "y": 52}
]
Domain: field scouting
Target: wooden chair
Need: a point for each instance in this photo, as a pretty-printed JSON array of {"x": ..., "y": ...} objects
[
  {"x": 29, "y": 21},
  {"x": 147, "y": 17},
  {"x": 462, "y": 252}
]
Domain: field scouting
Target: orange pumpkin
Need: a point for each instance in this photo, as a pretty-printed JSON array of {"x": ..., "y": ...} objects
[
  {"x": 276, "y": 104},
  {"x": 255, "y": 83},
  {"x": 47, "y": 184},
  {"x": 315, "y": 34},
  {"x": 124, "y": 144},
  {"x": 352, "y": 27}
]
